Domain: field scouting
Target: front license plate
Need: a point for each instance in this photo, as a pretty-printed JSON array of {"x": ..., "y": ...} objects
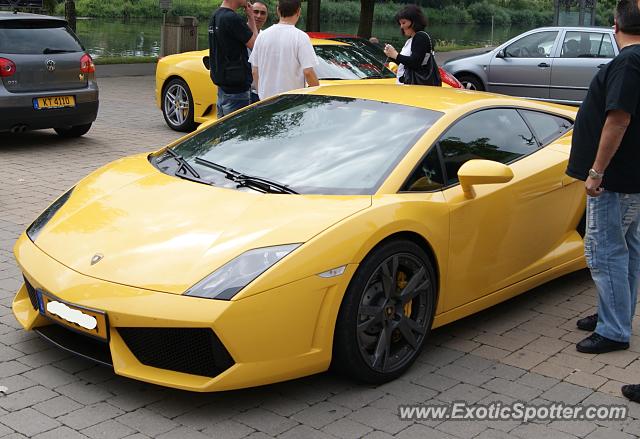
[
  {"x": 54, "y": 102},
  {"x": 88, "y": 321}
]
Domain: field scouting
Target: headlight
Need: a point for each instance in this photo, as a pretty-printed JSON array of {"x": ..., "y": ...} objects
[
  {"x": 228, "y": 280},
  {"x": 35, "y": 228}
]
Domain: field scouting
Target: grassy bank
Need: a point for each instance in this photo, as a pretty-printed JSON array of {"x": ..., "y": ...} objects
[{"x": 124, "y": 60}]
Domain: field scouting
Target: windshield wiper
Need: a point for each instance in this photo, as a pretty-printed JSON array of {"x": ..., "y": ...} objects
[
  {"x": 264, "y": 184},
  {"x": 48, "y": 50},
  {"x": 261, "y": 183},
  {"x": 185, "y": 170},
  {"x": 228, "y": 172}
]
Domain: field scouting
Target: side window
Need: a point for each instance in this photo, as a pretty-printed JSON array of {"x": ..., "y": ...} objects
[
  {"x": 498, "y": 134},
  {"x": 586, "y": 45},
  {"x": 427, "y": 176},
  {"x": 537, "y": 45},
  {"x": 547, "y": 127}
]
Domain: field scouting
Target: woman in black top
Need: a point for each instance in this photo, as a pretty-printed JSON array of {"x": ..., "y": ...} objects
[{"x": 418, "y": 48}]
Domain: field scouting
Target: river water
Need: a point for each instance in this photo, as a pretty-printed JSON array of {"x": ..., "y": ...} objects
[{"x": 113, "y": 37}]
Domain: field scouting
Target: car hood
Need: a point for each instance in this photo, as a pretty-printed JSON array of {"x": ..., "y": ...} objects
[
  {"x": 158, "y": 232},
  {"x": 471, "y": 57},
  {"x": 358, "y": 81}
]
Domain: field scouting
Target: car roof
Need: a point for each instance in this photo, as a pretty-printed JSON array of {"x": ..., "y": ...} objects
[
  {"x": 6, "y": 15},
  {"x": 576, "y": 28},
  {"x": 446, "y": 100}
]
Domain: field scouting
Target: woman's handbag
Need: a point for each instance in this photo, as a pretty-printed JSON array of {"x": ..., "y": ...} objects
[{"x": 428, "y": 74}]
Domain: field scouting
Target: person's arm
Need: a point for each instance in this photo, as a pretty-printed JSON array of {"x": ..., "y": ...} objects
[
  {"x": 251, "y": 22},
  {"x": 307, "y": 59},
  {"x": 256, "y": 77},
  {"x": 419, "y": 49},
  {"x": 621, "y": 103},
  {"x": 612, "y": 133},
  {"x": 311, "y": 77}
]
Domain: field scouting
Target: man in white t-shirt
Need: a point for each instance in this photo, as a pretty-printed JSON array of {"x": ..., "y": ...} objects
[{"x": 283, "y": 58}]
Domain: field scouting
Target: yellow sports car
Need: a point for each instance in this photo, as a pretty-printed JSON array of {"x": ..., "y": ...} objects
[
  {"x": 186, "y": 95},
  {"x": 334, "y": 225}
]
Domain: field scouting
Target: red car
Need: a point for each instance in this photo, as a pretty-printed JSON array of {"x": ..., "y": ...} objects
[{"x": 377, "y": 52}]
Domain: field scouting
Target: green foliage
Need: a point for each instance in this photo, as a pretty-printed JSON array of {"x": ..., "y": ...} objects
[
  {"x": 505, "y": 12},
  {"x": 448, "y": 14},
  {"x": 483, "y": 12}
]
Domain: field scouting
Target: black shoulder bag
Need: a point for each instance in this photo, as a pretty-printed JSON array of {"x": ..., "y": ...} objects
[{"x": 428, "y": 74}]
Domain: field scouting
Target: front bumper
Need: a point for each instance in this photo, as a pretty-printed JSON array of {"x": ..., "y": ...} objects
[
  {"x": 17, "y": 109},
  {"x": 277, "y": 335}
]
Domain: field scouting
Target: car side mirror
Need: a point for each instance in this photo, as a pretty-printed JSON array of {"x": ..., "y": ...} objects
[
  {"x": 482, "y": 172},
  {"x": 502, "y": 53},
  {"x": 392, "y": 66}
]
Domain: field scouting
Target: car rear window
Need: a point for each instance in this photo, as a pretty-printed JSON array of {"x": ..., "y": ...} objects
[{"x": 30, "y": 37}]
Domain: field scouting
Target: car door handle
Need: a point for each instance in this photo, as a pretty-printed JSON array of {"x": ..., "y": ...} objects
[
  {"x": 601, "y": 66},
  {"x": 543, "y": 65}
]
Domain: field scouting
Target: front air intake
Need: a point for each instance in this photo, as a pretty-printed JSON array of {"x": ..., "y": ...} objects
[{"x": 196, "y": 351}]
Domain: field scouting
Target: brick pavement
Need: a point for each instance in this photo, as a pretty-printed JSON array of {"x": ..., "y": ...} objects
[{"x": 519, "y": 350}]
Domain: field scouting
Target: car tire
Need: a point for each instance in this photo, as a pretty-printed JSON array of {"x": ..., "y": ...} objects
[
  {"x": 177, "y": 105},
  {"x": 471, "y": 82},
  {"x": 74, "y": 131},
  {"x": 379, "y": 333}
]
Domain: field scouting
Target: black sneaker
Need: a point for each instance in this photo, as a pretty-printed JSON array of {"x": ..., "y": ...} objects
[
  {"x": 597, "y": 344},
  {"x": 588, "y": 323},
  {"x": 632, "y": 391}
]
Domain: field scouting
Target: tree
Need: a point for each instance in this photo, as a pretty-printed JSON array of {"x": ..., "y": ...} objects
[
  {"x": 366, "y": 18},
  {"x": 50, "y": 6},
  {"x": 313, "y": 16},
  {"x": 70, "y": 13}
]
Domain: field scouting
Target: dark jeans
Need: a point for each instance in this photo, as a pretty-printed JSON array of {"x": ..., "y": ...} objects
[{"x": 230, "y": 102}]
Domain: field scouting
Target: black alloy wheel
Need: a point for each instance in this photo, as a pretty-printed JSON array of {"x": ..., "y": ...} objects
[{"x": 386, "y": 314}]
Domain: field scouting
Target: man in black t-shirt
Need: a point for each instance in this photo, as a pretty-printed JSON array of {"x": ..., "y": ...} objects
[
  {"x": 229, "y": 37},
  {"x": 605, "y": 154}
]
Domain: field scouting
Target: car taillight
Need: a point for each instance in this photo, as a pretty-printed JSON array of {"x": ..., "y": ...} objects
[
  {"x": 448, "y": 78},
  {"x": 7, "y": 67},
  {"x": 86, "y": 64}
]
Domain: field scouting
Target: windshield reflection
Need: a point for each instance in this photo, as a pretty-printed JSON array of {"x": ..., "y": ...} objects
[
  {"x": 313, "y": 144},
  {"x": 346, "y": 62}
]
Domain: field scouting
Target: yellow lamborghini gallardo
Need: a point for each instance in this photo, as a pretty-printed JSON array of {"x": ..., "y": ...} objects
[{"x": 330, "y": 226}]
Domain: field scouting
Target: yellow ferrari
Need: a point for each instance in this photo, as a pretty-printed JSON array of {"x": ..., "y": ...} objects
[
  {"x": 186, "y": 95},
  {"x": 334, "y": 225}
]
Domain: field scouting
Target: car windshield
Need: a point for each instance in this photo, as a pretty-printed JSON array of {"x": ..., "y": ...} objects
[
  {"x": 33, "y": 37},
  {"x": 372, "y": 49},
  {"x": 311, "y": 144},
  {"x": 346, "y": 62}
]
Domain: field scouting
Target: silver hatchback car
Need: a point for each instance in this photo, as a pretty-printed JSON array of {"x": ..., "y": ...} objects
[
  {"x": 550, "y": 63},
  {"x": 47, "y": 79}
]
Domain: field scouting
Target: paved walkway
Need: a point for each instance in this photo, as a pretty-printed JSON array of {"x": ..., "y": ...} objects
[{"x": 519, "y": 350}]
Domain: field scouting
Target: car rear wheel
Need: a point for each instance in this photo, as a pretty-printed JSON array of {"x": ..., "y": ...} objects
[
  {"x": 177, "y": 105},
  {"x": 471, "y": 82},
  {"x": 74, "y": 131},
  {"x": 386, "y": 313}
]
